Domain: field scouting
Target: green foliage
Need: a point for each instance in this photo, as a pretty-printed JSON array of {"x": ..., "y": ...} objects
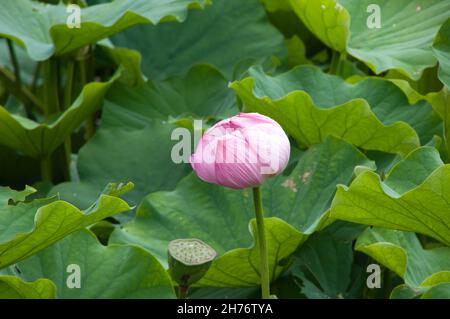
[
  {"x": 402, "y": 253},
  {"x": 323, "y": 265},
  {"x": 220, "y": 216},
  {"x": 400, "y": 42},
  {"x": 30, "y": 227},
  {"x": 405, "y": 201},
  {"x": 218, "y": 35},
  {"x": 372, "y": 114},
  {"x": 42, "y": 29},
  {"x": 41, "y": 139},
  {"x": 441, "y": 49},
  {"x": 123, "y": 271},
  {"x": 14, "y": 288},
  {"x": 360, "y": 87}
]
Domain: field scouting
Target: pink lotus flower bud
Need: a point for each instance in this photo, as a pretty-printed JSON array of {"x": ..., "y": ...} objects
[{"x": 241, "y": 151}]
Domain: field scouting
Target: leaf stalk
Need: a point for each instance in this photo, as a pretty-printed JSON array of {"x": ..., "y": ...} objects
[
  {"x": 337, "y": 63},
  {"x": 263, "y": 253}
]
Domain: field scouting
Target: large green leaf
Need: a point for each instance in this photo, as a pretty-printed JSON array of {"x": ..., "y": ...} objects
[
  {"x": 135, "y": 133},
  {"x": 14, "y": 288},
  {"x": 28, "y": 227},
  {"x": 142, "y": 156},
  {"x": 328, "y": 20},
  {"x": 179, "y": 96},
  {"x": 324, "y": 262},
  {"x": 240, "y": 267},
  {"x": 415, "y": 197},
  {"x": 41, "y": 139},
  {"x": 404, "y": 39},
  {"x": 275, "y": 5},
  {"x": 440, "y": 101},
  {"x": 8, "y": 195},
  {"x": 402, "y": 253},
  {"x": 441, "y": 49},
  {"x": 402, "y": 42},
  {"x": 130, "y": 60},
  {"x": 219, "y": 216},
  {"x": 224, "y": 34},
  {"x": 42, "y": 29},
  {"x": 422, "y": 162},
  {"x": 441, "y": 291},
  {"x": 310, "y": 105},
  {"x": 404, "y": 291},
  {"x": 105, "y": 272}
]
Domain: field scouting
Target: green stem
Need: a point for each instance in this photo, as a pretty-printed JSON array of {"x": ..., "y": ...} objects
[
  {"x": 15, "y": 64},
  {"x": 90, "y": 127},
  {"x": 51, "y": 97},
  {"x": 446, "y": 101},
  {"x": 67, "y": 103},
  {"x": 69, "y": 84},
  {"x": 337, "y": 60},
  {"x": 25, "y": 95},
  {"x": 18, "y": 79},
  {"x": 46, "y": 169},
  {"x": 35, "y": 77},
  {"x": 55, "y": 167},
  {"x": 182, "y": 291},
  {"x": 263, "y": 253},
  {"x": 90, "y": 122}
]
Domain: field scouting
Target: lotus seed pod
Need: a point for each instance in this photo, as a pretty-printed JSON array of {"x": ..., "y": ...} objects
[{"x": 189, "y": 260}]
